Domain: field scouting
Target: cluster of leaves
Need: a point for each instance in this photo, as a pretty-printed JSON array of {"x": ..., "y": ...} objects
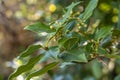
[{"x": 70, "y": 39}]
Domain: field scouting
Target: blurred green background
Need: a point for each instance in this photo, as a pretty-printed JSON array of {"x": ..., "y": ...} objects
[{"x": 16, "y": 14}]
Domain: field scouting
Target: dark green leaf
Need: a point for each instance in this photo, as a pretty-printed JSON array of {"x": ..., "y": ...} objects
[
  {"x": 118, "y": 46},
  {"x": 106, "y": 41},
  {"x": 39, "y": 27},
  {"x": 75, "y": 55},
  {"x": 42, "y": 71},
  {"x": 58, "y": 32},
  {"x": 89, "y": 47},
  {"x": 102, "y": 51},
  {"x": 89, "y": 10},
  {"x": 67, "y": 42},
  {"x": 62, "y": 41},
  {"x": 70, "y": 43},
  {"x": 31, "y": 49},
  {"x": 26, "y": 67},
  {"x": 116, "y": 32},
  {"x": 70, "y": 26},
  {"x": 68, "y": 13}
]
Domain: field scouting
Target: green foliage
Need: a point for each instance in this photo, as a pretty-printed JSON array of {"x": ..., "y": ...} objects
[
  {"x": 118, "y": 26},
  {"x": 31, "y": 49},
  {"x": 97, "y": 69},
  {"x": 103, "y": 32},
  {"x": 117, "y": 77},
  {"x": 43, "y": 70},
  {"x": 39, "y": 27},
  {"x": 74, "y": 55},
  {"x": 89, "y": 10},
  {"x": 68, "y": 13},
  {"x": 28, "y": 66},
  {"x": 71, "y": 40}
]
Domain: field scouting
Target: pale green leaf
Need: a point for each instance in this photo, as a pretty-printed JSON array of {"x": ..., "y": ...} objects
[{"x": 96, "y": 69}]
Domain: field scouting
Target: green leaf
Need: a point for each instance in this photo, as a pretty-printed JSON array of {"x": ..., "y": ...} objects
[
  {"x": 31, "y": 49},
  {"x": 116, "y": 32},
  {"x": 28, "y": 66},
  {"x": 89, "y": 10},
  {"x": 117, "y": 77},
  {"x": 75, "y": 55},
  {"x": 118, "y": 46},
  {"x": 96, "y": 69},
  {"x": 68, "y": 13},
  {"x": 116, "y": 56},
  {"x": 89, "y": 47},
  {"x": 53, "y": 52},
  {"x": 39, "y": 27},
  {"x": 118, "y": 25},
  {"x": 105, "y": 53},
  {"x": 106, "y": 41},
  {"x": 62, "y": 41},
  {"x": 42, "y": 71},
  {"x": 103, "y": 32},
  {"x": 70, "y": 26},
  {"x": 70, "y": 43},
  {"x": 102, "y": 51}
]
